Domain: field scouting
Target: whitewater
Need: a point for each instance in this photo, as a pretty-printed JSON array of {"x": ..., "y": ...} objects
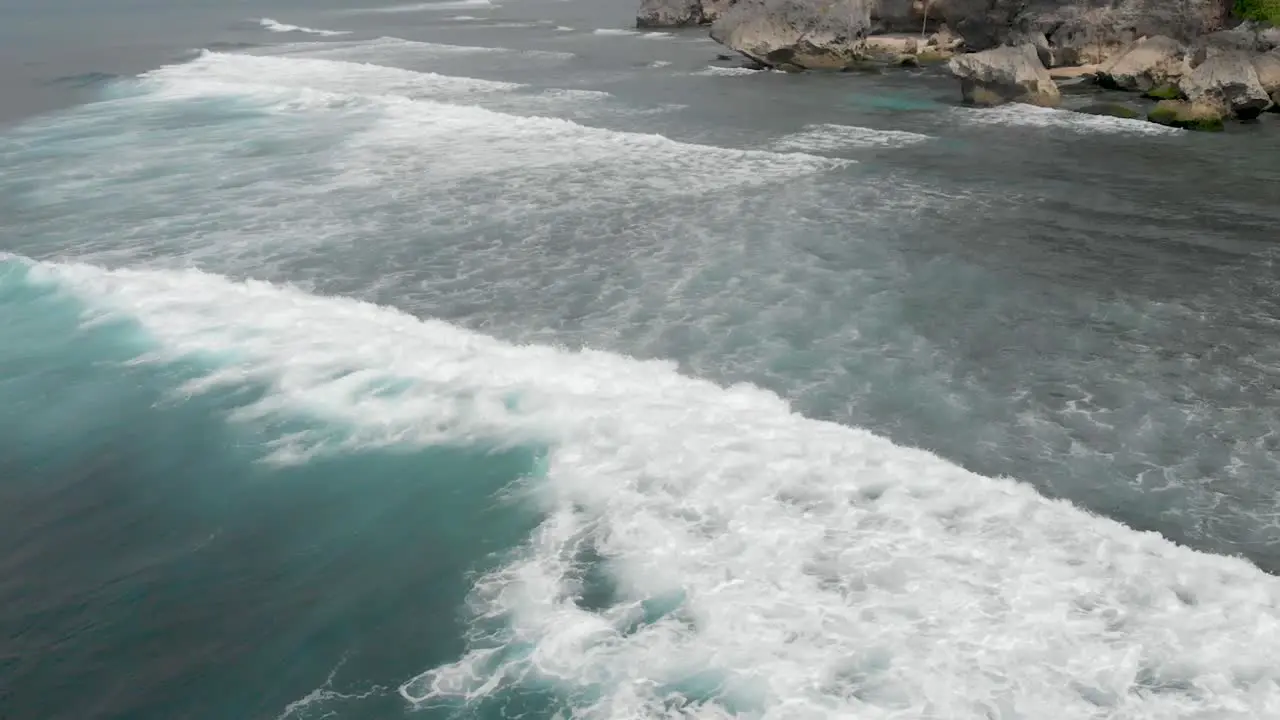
[{"x": 507, "y": 370}]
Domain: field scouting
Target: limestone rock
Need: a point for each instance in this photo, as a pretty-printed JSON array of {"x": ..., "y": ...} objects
[
  {"x": 808, "y": 34},
  {"x": 1005, "y": 74},
  {"x": 713, "y": 9},
  {"x": 1268, "y": 68},
  {"x": 668, "y": 13},
  {"x": 1146, "y": 64},
  {"x": 1079, "y": 32},
  {"x": 1188, "y": 116},
  {"x": 680, "y": 13},
  {"x": 1228, "y": 82}
]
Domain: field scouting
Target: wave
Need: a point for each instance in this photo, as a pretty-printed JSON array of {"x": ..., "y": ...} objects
[
  {"x": 833, "y": 138},
  {"x": 393, "y": 49},
  {"x": 421, "y": 7},
  {"x": 279, "y": 27},
  {"x": 726, "y": 71},
  {"x": 707, "y": 551},
  {"x": 1019, "y": 114}
]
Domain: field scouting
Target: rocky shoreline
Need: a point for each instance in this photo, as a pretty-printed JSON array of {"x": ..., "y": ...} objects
[{"x": 1205, "y": 62}]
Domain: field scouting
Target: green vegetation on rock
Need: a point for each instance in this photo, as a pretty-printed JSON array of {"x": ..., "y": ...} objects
[
  {"x": 1187, "y": 116},
  {"x": 1267, "y": 11},
  {"x": 1163, "y": 92}
]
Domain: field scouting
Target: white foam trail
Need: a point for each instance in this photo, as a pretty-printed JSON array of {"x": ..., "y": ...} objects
[
  {"x": 563, "y": 28},
  {"x": 659, "y": 63},
  {"x": 831, "y": 138},
  {"x": 279, "y": 27},
  {"x": 420, "y": 7},
  {"x": 394, "y": 127},
  {"x": 464, "y": 17},
  {"x": 393, "y": 50},
  {"x": 726, "y": 71},
  {"x": 1032, "y": 116},
  {"x": 613, "y": 31},
  {"x": 763, "y": 564},
  {"x": 237, "y": 72}
]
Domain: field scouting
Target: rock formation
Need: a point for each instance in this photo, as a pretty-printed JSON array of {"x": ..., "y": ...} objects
[
  {"x": 1145, "y": 65},
  {"x": 1185, "y": 115},
  {"x": 1005, "y": 74},
  {"x": 680, "y": 13},
  {"x": 669, "y": 13},
  {"x": 1228, "y": 82},
  {"x": 1268, "y": 68},
  {"x": 806, "y": 34}
]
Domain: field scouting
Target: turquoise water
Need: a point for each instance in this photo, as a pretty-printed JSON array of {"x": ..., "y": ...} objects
[
  {"x": 488, "y": 361},
  {"x": 151, "y": 544}
]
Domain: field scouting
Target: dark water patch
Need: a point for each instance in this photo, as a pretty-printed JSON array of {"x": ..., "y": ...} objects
[{"x": 82, "y": 80}]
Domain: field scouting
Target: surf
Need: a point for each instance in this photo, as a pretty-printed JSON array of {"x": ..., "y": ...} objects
[{"x": 709, "y": 542}]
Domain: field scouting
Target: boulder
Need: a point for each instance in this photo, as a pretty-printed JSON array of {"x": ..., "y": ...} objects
[
  {"x": 1005, "y": 74},
  {"x": 1188, "y": 116},
  {"x": 1268, "y": 68},
  {"x": 1228, "y": 82},
  {"x": 1145, "y": 65},
  {"x": 668, "y": 13},
  {"x": 810, "y": 34}
]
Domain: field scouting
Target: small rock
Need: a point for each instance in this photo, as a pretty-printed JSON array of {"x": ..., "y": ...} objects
[
  {"x": 1188, "y": 116},
  {"x": 907, "y": 61},
  {"x": 1148, "y": 63},
  {"x": 812, "y": 34},
  {"x": 1069, "y": 72},
  {"x": 945, "y": 40},
  {"x": 1230, "y": 82},
  {"x": 1005, "y": 74}
]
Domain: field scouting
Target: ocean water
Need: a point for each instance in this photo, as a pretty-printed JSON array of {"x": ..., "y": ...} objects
[{"x": 469, "y": 359}]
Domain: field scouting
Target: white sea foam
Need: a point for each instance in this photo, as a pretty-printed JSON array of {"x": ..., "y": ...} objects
[
  {"x": 420, "y": 7},
  {"x": 392, "y": 50},
  {"x": 761, "y": 564},
  {"x": 726, "y": 71},
  {"x": 1032, "y": 116},
  {"x": 239, "y": 72},
  {"x": 614, "y": 31},
  {"x": 279, "y": 27},
  {"x": 831, "y": 138}
]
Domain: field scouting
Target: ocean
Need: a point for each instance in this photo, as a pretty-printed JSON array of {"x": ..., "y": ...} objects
[{"x": 492, "y": 359}]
